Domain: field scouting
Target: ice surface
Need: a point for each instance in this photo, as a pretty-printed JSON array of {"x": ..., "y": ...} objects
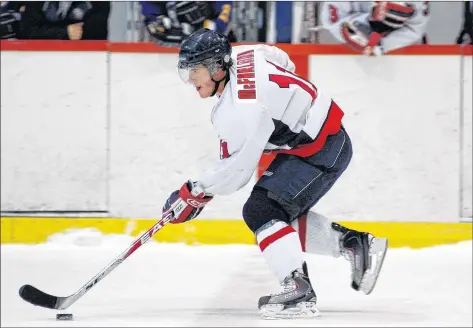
[{"x": 180, "y": 285}]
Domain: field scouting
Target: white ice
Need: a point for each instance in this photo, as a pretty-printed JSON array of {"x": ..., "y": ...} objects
[{"x": 180, "y": 285}]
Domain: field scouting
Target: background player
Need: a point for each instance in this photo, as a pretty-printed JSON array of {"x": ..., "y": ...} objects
[{"x": 378, "y": 27}]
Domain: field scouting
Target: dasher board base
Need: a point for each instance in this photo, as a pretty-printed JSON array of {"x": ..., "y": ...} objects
[{"x": 33, "y": 230}]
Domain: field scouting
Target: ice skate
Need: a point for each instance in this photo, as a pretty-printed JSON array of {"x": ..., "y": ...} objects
[
  {"x": 366, "y": 254},
  {"x": 297, "y": 300}
]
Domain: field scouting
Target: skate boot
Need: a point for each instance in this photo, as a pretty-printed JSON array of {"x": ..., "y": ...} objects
[
  {"x": 297, "y": 300},
  {"x": 366, "y": 255}
]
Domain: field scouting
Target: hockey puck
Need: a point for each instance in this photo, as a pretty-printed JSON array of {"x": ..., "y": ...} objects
[{"x": 64, "y": 316}]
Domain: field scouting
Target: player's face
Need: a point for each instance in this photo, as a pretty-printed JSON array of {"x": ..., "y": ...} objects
[{"x": 199, "y": 77}]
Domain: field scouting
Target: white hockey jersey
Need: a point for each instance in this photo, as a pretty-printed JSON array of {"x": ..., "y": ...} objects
[
  {"x": 334, "y": 14},
  {"x": 265, "y": 107}
]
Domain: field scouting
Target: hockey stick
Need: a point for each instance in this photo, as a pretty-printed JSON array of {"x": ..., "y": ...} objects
[{"x": 40, "y": 298}]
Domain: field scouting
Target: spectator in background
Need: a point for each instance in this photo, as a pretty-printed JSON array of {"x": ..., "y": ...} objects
[
  {"x": 376, "y": 27},
  {"x": 170, "y": 22},
  {"x": 66, "y": 20},
  {"x": 10, "y": 16},
  {"x": 466, "y": 34}
]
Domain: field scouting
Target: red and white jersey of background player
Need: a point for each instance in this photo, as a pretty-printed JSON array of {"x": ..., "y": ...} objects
[
  {"x": 334, "y": 14},
  {"x": 265, "y": 106}
]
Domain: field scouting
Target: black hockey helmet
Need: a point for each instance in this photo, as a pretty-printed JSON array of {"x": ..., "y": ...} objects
[{"x": 204, "y": 47}]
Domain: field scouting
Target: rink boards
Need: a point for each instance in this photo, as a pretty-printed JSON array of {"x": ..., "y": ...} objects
[
  {"x": 126, "y": 140},
  {"x": 32, "y": 230}
]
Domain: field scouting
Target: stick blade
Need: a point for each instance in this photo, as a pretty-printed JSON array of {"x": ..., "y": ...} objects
[{"x": 37, "y": 297}]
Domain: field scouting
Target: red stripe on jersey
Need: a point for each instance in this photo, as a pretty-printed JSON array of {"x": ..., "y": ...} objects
[
  {"x": 302, "y": 222},
  {"x": 331, "y": 126},
  {"x": 275, "y": 236}
]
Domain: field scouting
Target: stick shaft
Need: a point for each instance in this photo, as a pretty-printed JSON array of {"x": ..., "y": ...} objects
[{"x": 65, "y": 302}]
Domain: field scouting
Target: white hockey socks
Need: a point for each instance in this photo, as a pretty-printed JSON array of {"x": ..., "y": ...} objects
[
  {"x": 281, "y": 247},
  {"x": 317, "y": 235}
]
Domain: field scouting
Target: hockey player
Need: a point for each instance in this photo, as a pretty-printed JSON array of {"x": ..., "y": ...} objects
[
  {"x": 378, "y": 27},
  {"x": 170, "y": 22},
  {"x": 263, "y": 106}
]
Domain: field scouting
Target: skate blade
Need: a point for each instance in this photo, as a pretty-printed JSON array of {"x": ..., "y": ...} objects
[
  {"x": 378, "y": 249},
  {"x": 278, "y": 311}
]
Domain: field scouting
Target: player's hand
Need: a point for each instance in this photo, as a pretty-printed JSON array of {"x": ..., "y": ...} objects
[
  {"x": 386, "y": 16},
  {"x": 167, "y": 33},
  {"x": 186, "y": 203},
  {"x": 75, "y": 31},
  {"x": 361, "y": 39}
]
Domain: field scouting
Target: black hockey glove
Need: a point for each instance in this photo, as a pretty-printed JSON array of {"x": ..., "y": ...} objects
[
  {"x": 192, "y": 12},
  {"x": 167, "y": 33}
]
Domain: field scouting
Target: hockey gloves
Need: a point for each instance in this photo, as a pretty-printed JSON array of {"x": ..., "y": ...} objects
[
  {"x": 388, "y": 16},
  {"x": 186, "y": 203},
  {"x": 191, "y": 12},
  {"x": 166, "y": 32},
  {"x": 360, "y": 38},
  {"x": 384, "y": 18}
]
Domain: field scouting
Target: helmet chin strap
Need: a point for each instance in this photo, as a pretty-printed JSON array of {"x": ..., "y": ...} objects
[{"x": 217, "y": 83}]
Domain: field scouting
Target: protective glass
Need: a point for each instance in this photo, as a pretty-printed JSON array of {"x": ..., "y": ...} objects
[
  {"x": 206, "y": 68},
  {"x": 191, "y": 73}
]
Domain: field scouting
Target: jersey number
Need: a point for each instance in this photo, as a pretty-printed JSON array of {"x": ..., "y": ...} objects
[{"x": 284, "y": 81}]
